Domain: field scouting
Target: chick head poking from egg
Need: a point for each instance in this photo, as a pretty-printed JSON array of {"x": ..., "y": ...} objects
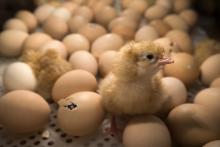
[{"x": 140, "y": 59}]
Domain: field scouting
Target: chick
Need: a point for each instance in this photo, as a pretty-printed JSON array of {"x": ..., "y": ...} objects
[{"x": 134, "y": 87}]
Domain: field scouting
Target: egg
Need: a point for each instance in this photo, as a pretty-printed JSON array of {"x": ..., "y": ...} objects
[
  {"x": 174, "y": 93},
  {"x": 43, "y": 12},
  {"x": 105, "y": 15},
  {"x": 76, "y": 22},
  {"x": 70, "y": 6},
  {"x": 209, "y": 98},
  {"x": 28, "y": 18},
  {"x": 180, "y": 5},
  {"x": 168, "y": 45},
  {"x": 92, "y": 31},
  {"x": 161, "y": 27},
  {"x": 19, "y": 76},
  {"x": 146, "y": 33},
  {"x": 15, "y": 24},
  {"x": 106, "y": 61},
  {"x": 106, "y": 42},
  {"x": 165, "y": 3},
  {"x": 184, "y": 68},
  {"x": 55, "y": 45},
  {"x": 84, "y": 11},
  {"x": 11, "y": 42},
  {"x": 55, "y": 27},
  {"x": 176, "y": 22},
  {"x": 190, "y": 17},
  {"x": 76, "y": 42},
  {"x": 96, "y": 6},
  {"x": 156, "y": 12},
  {"x": 215, "y": 143},
  {"x": 138, "y": 5},
  {"x": 210, "y": 69},
  {"x": 62, "y": 13},
  {"x": 146, "y": 131},
  {"x": 73, "y": 81},
  {"x": 182, "y": 39},
  {"x": 215, "y": 83},
  {"x": 130, "y": 13},
  {"x": 23, "y": 112},
  {"x": 84, "y": 60},
  {"x": 35, "y": 40},
  {"x": 84, "y": 105},
  {"x": 192, "y": 125}
]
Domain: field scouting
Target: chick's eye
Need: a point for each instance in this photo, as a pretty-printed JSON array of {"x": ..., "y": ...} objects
[{"x": 150, "y": 56}]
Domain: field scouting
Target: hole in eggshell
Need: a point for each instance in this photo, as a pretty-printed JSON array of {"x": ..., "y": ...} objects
[{"x": 71, "y": 106}]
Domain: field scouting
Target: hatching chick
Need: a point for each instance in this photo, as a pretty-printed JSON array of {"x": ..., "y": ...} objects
[{"x": 133, "y": 87}]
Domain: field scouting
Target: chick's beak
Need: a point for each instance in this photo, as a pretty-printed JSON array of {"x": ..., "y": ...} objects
[{"x": 165, "y": 60}]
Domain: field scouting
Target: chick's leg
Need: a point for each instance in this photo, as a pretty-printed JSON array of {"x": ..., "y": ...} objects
[{"x": 113, "y": 128}]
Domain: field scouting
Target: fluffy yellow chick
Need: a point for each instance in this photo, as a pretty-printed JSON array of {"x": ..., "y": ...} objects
[{"x": 133, "y": 87}]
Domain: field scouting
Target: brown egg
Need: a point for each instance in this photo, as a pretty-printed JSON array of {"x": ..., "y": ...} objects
[
  {"x": 55, "y": 27},
  {"x": 76, "y": 22},
  {"x": 15, "y": 24},
  {"x": 165, "y": 3},
  {"x": 184, "y": 68},
  {"x": 191, "y": 125},
  {"x": 215, "y": 143},
  {"x": 174, "y": 94},
  {"x": 146, "y": 33},
  {"x": 106, "y": 42},
  {"x": 81, "y": 113},
  {"x": 176, "y": 22},
  {"x": 161, "y": 27},
  {"x": 190, "y": 17},
  {"x": 84, "y": 60},
  {"x": 62, "y": 13},
  {"x": 156, "y": 12},
  {"x": 138, "y": 5},
  {"x": 210, "y": 69},
  {"x": 210, "y": 98},
  {"x": 123, "y": 26},
  {"x": 72, "y": 7},
  {"x": 168, "y": 45},
  {"x": 76, "y": 42},
  {"x": 55, "y": 45},
  {"x": 182, "y": 39},
  {"x": 146, "y": 131},
  {"x": 35, "y": 41},
  {"x": 23, "y": 112},
  {"x": 105, "y": 15},
  {"x": 105, "y": 62},
  {"x": 180, "y": 5},
  {"x": 11, "y": 42},
  {"x": 85, "y": 12},
  {"x": 28, "y": 18},
  {"x": 42, "y": 12},
  {"x": 215, "y": 83},
  {"x": 73, "y": 81},
  {"x": 92, "y": 31},
  {"x": 130, "y": 13},
  {"x": 97, "y": 6}
]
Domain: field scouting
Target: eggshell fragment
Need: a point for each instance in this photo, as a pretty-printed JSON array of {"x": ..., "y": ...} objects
[
  {"x": 146, "y": 33},
  {"x": 71, "y": 82},
  {"x": 106, "y": 42},
  {"x": 84, "y": 60},
  {"x": 19, "y": 76},
  {"x": 144, "y": 131},
  {"x": 184, "y": 68},
  {"x": 88, "y": 108},
  {"x": 42, "y": 12},
  {"x": 23, "y": 112},
  {"x": 182, "y": 39},
  {"x": 76, "y": 42},
  {"x": 192, "y": 125},
  {"x": 210, "y": 69},
  {"x": 15, "y": 24},
  {"x": 11, "y": 42},
  {"x": 35, "y": 41},
  {"x": 28, "y": 18}
]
